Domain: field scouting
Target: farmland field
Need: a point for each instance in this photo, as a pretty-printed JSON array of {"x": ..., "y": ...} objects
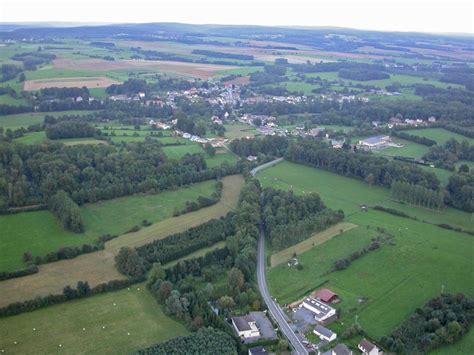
[
  {"x": 439, "y": 135},
  {"x": 395, "y": 279},
  {"x": 135, "y": 322},
  {"x": 92, "y": 82},
  {"x": 40, "y": 233},
  {"x": 99, "y": 267},
  {"x": 28, "y": 119}
]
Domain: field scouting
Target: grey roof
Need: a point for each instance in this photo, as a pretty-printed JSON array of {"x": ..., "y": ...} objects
[
  {"x": 259, "y": 350},
  {"x": 242, "y": 323},
  {"x": 374, "y": 140},
  {"x": 366, "y": 345},
  {"x": 341, "y": 349},
  {"x": 323, "y": 331}
]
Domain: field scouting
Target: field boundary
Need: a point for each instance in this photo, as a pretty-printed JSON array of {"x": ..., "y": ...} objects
[{"x": 313, "y": 241}]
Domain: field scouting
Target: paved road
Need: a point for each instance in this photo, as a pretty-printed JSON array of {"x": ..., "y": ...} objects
[
  {"x": 274, "y": 309},
  {"x": 264, "y": 166}
]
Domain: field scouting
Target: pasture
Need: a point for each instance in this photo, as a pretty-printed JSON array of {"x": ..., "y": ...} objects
[
  {"x": 347, "y": 194},
  {"x": 27, "y": 119},
  {"x": 99, "y": 267},
  {"x": 39, "y": 232},
  {"x": 409, "y": 149},
  {"x": 132, "y": 320},
  {"x": 439, "y": 135},
  {"x": 235, "y": 131}
]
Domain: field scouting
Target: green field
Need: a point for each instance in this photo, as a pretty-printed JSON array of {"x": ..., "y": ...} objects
[
  {"x": 40, "y": 233},
  {"x": 409, "y": 149},
  {"x": 234, "y": 131},
  {"x": 439, "y": 135},
  {"x": 27, "y": 119},
  {"x": 395, "y": 279},
  {"x": 132, "y": 320}
]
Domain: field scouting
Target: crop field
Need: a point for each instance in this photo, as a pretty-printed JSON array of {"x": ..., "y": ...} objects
[
  {"x": 92, "y": 82},
  {"x": 27, "y": 119},
  {"x": 439, "y": 135},
  {"x": 99, "y": 267},
  {"x": 40, "y": 233},
  {"x": 132, "y": 320},
  {"x": 393, "y": 280},
  {"x": 286, "y": 254}
]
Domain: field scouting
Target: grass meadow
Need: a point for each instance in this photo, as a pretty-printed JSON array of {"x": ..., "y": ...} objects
[
  {"x": 439, "y": 135},
  {"x": 132, "y": 320},
  {"x": 39, "y": 232},
  {"x": 394, "y": 280},
  {"x": 27, "y": 119}
]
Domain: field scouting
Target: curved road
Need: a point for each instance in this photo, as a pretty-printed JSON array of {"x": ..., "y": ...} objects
[{"x": 274, "y": 309}]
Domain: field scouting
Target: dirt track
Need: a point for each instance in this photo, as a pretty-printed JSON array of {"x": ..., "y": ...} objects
[{"x": 99, "y": 267}]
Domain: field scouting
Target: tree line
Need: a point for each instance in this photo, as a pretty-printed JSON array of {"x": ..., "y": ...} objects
[
  {"x": 67, "y": 211},
  {"x": 414, "y": 138},
  {"x": 417, "y": 195},
  {"x": 450, "y": 153},
  {"x": 71, "y": 129}
]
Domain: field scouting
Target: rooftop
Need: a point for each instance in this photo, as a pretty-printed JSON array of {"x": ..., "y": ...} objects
[
  {"x": 366, "y": 345},
  {"x": 319, "y": 329},
  {"x": 243, "y": 323}
]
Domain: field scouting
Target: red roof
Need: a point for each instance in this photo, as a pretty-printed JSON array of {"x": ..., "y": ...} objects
[{"x": 326, "y": 295}]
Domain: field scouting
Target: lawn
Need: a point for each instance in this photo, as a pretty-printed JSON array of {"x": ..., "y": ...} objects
[
  {"x": 234, "y": 131},
  {"x": 132, "y": 320},
  {"x": 179, "y": 151},
  {"x": 410, "y": 149},
  {"x": 40, "y": 232},
  {"x": 439, "y": 135}
]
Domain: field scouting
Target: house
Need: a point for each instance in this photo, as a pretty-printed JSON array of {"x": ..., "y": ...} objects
[
  {"x": 216, "y": 120},
  {"x": 258, "y": 350},
  {"x": 327, "y": 296},
  {"x": 375, "y": 142},
  {"x": 252, "y": 158},
  {"x": 320, "y": 310},
  {"x": 314, "y": 132},
  {"x": 141, "y": 95},
  {"x": 432, "y": 119},
  {"x": 368, "y": 348},
  {"x": 341, "y": 349},
  {"x": 245, "y": 327},
  {"x": 324, "y": 333}
]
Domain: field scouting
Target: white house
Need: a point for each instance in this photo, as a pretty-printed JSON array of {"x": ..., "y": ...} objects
[
  {"x": 324, "y": 333},
  {"x": 320, "y": 310},
  {"x": 368, "y": 348},
  {"x": 245, "y": 327}
]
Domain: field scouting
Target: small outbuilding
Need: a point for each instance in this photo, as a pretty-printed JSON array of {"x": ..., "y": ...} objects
[
  {"x": 368, "y": 348},
  {"x": 324, "y": 333},
  {"x": 327, "y": 296}
]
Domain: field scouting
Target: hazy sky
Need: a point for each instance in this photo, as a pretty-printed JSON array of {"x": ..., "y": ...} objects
[{"x": 401, "y": 15}]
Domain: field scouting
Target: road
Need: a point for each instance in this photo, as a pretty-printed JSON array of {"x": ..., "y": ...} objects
[{"x": 274, "y": 309}]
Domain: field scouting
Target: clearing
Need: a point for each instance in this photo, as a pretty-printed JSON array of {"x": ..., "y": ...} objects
[{"x": 132, "y": 320}]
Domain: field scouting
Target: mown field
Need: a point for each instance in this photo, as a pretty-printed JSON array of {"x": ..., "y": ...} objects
[
  {"x": 439, "y": 135},
  {"x": 27, "y": 119},
  {"x": 132, "y": 320},
  {"x": 40, "y": 233},
  {"x": 394, "y": 280}
]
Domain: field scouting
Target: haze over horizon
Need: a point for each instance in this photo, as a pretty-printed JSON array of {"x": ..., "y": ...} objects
[{"x": 404, "y": 16}]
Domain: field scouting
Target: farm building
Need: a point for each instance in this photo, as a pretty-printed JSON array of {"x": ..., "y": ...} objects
[
  {"x": 246, "y": 327},
  {"x": 375, "y": 142},
  {"x": 327, "y": 296},
  {"x": 320, "y": 310},
  {"x": 258, "y": 350},
  {"x": 368, "y": 348},
  {"x": 324, "y": 333},
  {"x": 339, "y": 349}
]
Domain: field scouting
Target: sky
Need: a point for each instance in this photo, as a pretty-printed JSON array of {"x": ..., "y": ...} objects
[{"x": 456, "y": 16}]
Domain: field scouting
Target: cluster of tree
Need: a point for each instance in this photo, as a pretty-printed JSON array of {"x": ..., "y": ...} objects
[
  {"x": 129, "y": 87},
  {"x": 443, "y": 320},
  {"x": 67, "y": 211},
  {"x": 288, "y": 218},
  {"x": 460, "y": 74},
  {"x": 82, "y": 290},
  {"x": 285, "y": 235},
  {"x": 189, "y": 125},
  {"x": 88, "y": 173},
  {"x": 9, "y": 72},
  {"x": 129, "y": 263},
  {"x": 63, "y": 93},
  {"x": 417, "y": 195},
  {"x": 362, "y": 74},
  {"x": 464, "y": 131},
  {"x": 181, "y": 244},
  {"x": 31, "y": 60},
  {"x": 372, "y": 169},
  {"x": 269, "y": 145},
  {"x": 460, "y": 190},
  {"x": 450, "y": 153},
  {"x": 216, "y": 54},
  {"x": 206, "y": 341},
  {"x": 171, "y": 84},
  {"x": 107, "y": 45},
  {"x": 413, "y": 138},
  {"x": 344, "y": 263},
  {"x": 201, "y": 202},
  {"x": 70, "y": 129}
]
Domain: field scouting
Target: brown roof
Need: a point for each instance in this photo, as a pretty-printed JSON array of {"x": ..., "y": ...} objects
[
  {"x": 366, "y": 345},
  {"x": 325, "y": 295}
]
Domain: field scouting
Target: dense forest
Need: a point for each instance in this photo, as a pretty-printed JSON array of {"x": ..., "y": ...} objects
[{"x": 443, "y": 320}]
